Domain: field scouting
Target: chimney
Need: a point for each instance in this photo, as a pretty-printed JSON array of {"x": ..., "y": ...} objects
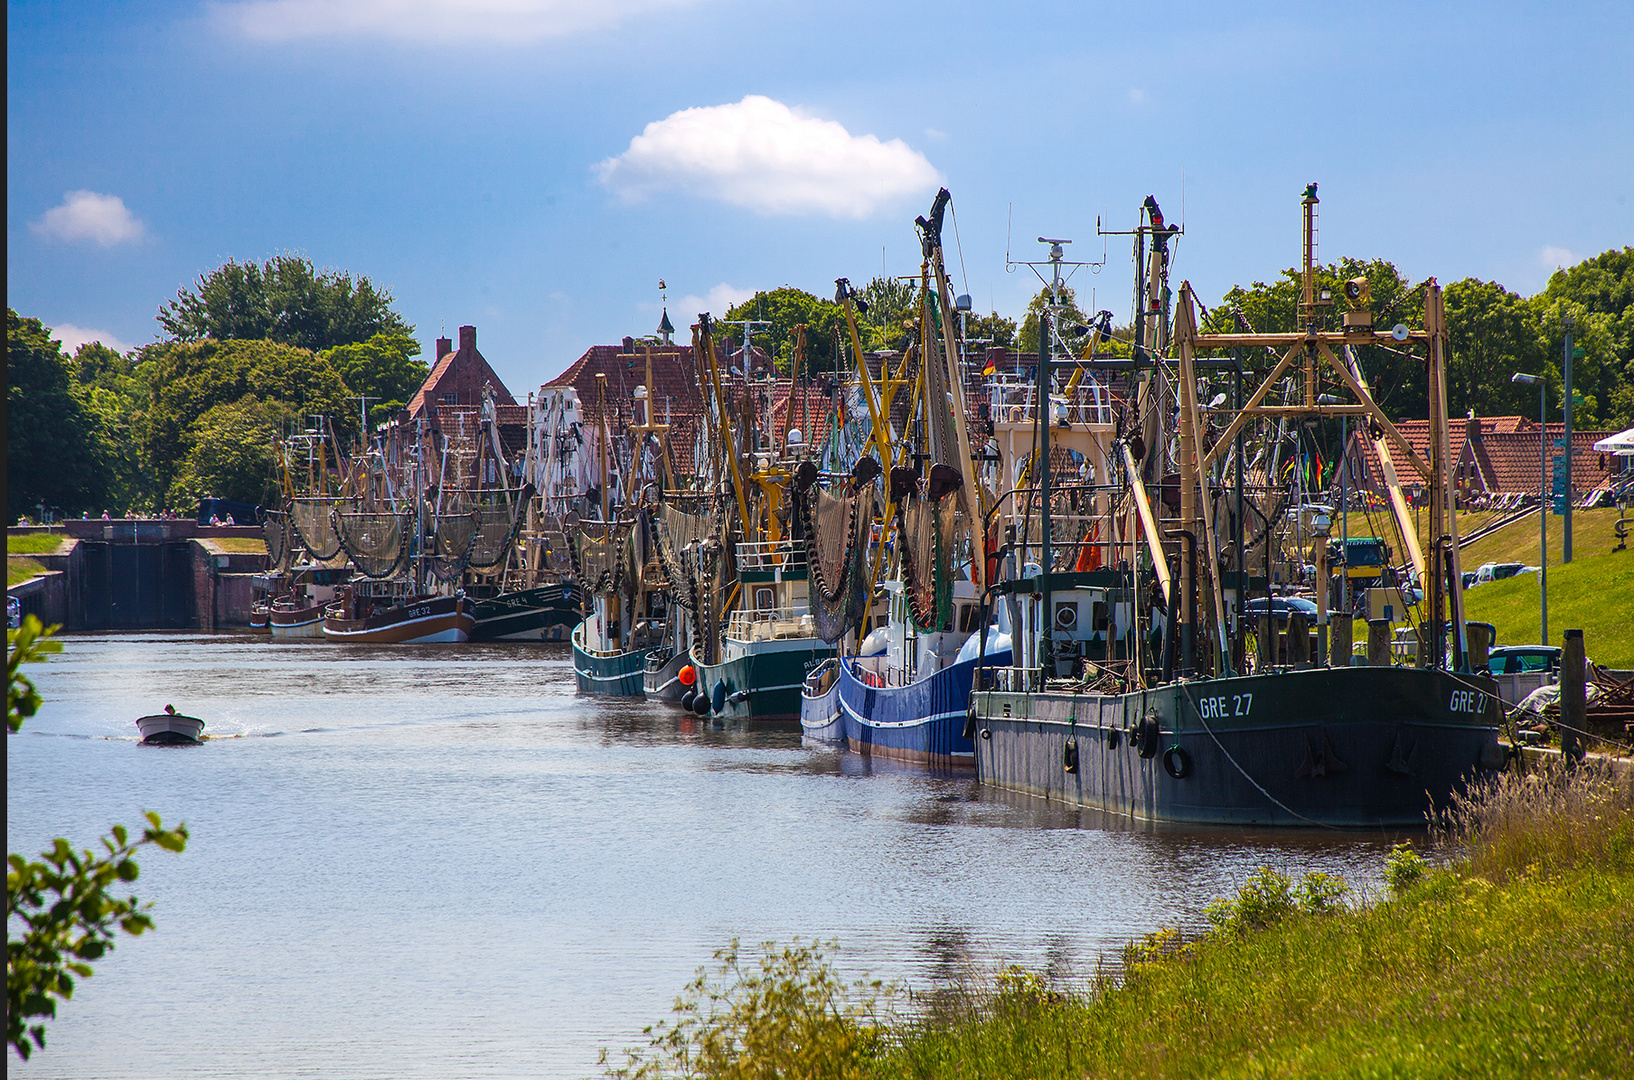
[
  {"x": 444, "y": 347},
  {"x": 468, "y": 339},
  {"x": 1472, "y": 428},
  {"x": 629, "y": 344}
]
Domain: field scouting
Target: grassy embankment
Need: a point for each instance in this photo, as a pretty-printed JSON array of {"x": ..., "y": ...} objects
[
  {"x": 1594, "y": 593},
  {"x": 18, "y": 545},
  {"x": 241, "y": 545},
  {"x": 1516, "y": 959}
]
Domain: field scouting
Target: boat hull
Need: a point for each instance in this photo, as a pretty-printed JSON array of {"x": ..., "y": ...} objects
[
  {"x": 663, "y": 683},
  {"x": 615, "y": 674},
  {"x": 170, "y": 729},
  {"x": 1342, "y": 747},
  {"x": 820, "y": 717},
  {"x": 546, "y": 613},
  {"x": 923, "y": 722},
  {"x": 260, "y": 621},
  {"x": 296, "y": 624},
  {"x": 762, "y": 684},
  {"x": 441, "y": 619}
]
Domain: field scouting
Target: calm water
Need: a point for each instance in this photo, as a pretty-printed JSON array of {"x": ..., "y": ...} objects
[{"x": 443, "y": 862}]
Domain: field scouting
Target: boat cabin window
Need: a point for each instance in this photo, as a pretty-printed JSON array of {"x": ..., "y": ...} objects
[
  {"x": 764, "y": 600},
  {"x": 969, "y": 615}
]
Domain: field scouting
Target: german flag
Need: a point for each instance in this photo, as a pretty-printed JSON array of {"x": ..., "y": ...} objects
[{"x": 990, "y": 368}]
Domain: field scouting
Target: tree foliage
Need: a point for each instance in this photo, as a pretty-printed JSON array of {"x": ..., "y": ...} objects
[
  {"x": 190, "y": 379},
  {"x": 284, "y": 299},
  {"x": 382, "y": 369},
  {"x": 64, "y": 902},
  {"x": 1070, "y": 315},
  {"x": 785, "y": 308},
  {"x": 57, "y": 451}
]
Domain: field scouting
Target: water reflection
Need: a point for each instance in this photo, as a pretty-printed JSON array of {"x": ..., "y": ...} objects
[{"x": 374, "y": 825}]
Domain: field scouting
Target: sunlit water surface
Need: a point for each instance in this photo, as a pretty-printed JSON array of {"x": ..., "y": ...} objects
[{"x": 444, "y": 862}]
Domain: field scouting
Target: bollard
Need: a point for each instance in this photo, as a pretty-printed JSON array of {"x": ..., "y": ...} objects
[
  {"x": 1341, "y": 631},
  {"x": 1479, "y": 643},
  {"x": 1268, "y": 641},
  {"x": 1299, "y": 640},
  {"x": 1573, "y": 698},
  {"x": 1378, "y": 642}
]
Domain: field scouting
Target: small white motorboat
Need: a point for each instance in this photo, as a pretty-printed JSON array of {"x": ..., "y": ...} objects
[{"x": 171, "y": 728}]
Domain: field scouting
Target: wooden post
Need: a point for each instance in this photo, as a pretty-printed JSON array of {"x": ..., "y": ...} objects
[
  {"x": 1479, "y": 642},
  {"x": 1299, "y": 640},
  {"x": 1340, "y": 630},
  {"x": 1267, "y": 641},
  {"x": 1378, "y": 642},
  {"x": 1573, "y": 698}
]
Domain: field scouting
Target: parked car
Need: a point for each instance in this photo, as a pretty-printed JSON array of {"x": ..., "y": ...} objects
[
  {"x": 1498, "y": 571},
  {"x": 1281, "y": 607},
  {"x": 1469, "y": 578},
  {"x": 1510, "y": 659}
]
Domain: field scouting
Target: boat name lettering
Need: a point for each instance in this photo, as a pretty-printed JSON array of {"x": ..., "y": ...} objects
[
  {"x": 420, "y": 612},
  {"x": 1467, "y": 701},
  {"x": 1219, "y": 708}
]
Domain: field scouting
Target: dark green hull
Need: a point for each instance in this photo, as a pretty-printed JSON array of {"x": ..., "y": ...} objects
[
  {"x": 762, "y": 686},
  {"x": 619, "y": 675},
  {"x": 1344, "y": 747}
]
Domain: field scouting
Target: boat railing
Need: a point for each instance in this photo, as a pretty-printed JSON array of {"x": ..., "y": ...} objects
[
  {"x": 821, "y": 677},
  {"x": 1015, "y": 680},
  {"x": 770, "y": 623},
  {"x": 770, "y": 555},
  {"x": 1012, "y": 400}
]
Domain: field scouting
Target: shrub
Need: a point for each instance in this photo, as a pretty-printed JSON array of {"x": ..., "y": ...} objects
[{"x": 1403, "y": 868}]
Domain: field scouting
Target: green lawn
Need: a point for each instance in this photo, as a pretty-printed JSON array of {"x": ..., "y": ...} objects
[
  {"x": 33, "y": 543},
  {"x": 1594, "y": 594},
  {"x": 20, "y": 570},
  {"x": 241, "y": 545}
]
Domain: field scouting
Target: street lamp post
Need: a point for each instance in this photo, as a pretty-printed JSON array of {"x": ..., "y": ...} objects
[{"x": 1543, "y": 500}]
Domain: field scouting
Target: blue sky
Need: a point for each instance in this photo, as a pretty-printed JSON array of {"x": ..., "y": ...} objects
[{"x": 535, "y": 167}]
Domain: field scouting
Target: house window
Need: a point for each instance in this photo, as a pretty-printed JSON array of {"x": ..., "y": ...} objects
[{"x": 451, "y": 399}]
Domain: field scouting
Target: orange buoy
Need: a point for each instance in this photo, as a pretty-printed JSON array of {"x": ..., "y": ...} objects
[{"x": 688, "y": 675}]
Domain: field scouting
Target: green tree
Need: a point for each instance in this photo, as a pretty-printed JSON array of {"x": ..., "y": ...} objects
[
  {"x": 1599, "y": 293},
  {"x": 64, "y": 902},
  {"x": 189, "y": 379},
  {"x": 114, "y": 389},
  {"x": 892, "y": 303},
  {"x": 993, "y": 329},
  {"x": 1070, "y": 315},
  {"x": 56, "y": 450},
  {"x": 1491, "y": 335},
  {"x": 284, "y": 299},
  {"x": 382, "y": 369},
  {"x": 785, "y": 308},
  {"x": 1396, "y": 377},
  {"x": 229, "y": 452}
]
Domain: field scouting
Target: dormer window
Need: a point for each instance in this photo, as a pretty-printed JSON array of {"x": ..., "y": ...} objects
[{"x": 451, "y": 399}]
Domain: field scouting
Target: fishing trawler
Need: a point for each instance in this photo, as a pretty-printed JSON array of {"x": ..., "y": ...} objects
[
  {"x": 905, "y": 692},
  {"x": 1182, "y": 711},
  {"x": 755, "y": 637}
]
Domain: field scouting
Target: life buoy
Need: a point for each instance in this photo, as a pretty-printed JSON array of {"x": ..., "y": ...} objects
[{"x": 1176, "y": 762}]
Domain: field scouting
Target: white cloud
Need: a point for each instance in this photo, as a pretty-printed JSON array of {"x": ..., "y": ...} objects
[
  {"x": 764, "y": 156},
  {"x": 429, "y": 21},
  {"x": 684, "y": 310},
  {"x": 73, "y": 337},
  {"x": 1137, "y": 96},
  {"x": 86, "y": 215},
  {"x": 1553, "y": 257}
]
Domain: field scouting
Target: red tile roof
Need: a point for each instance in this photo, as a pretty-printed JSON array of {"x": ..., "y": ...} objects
[{"x": 1495, "y": 455}]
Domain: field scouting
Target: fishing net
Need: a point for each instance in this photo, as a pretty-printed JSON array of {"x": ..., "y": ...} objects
[
  {"x": 676, "y": 535},
  {"x": 600, "y": 555},
  {"x": 714, "y": 580},
  {"x": 837, "y": 530},
  {"x": 550, "y": 548},
  {"x": 275, "y": 528},
  {"x": 453, "y": 533},
  {"x": 377, "y": 543},
  {"x": 315, "y": 526},
  {"x": 926, "y": 527},
  {"x": 495, "y": 526}
]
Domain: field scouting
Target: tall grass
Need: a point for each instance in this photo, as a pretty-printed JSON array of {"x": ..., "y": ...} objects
[
  {"x": 1515, "y": 957},
  {"x": 1546, "y": 821}
]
